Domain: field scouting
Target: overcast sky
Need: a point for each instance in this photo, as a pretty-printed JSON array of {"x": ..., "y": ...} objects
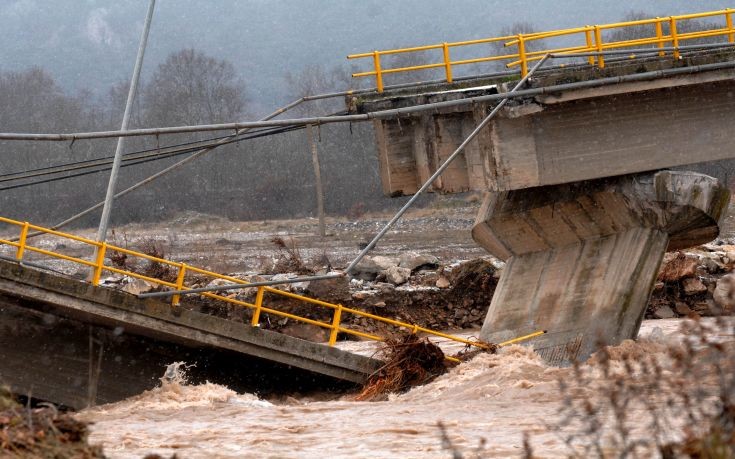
[{"x": 89, "y": 44}]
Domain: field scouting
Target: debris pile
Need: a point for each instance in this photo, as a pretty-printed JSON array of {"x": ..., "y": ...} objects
[
  {"x": 410, "y": 361},
  {"x": 695, "y": 282},
  {"x": 41, "y": 432}
]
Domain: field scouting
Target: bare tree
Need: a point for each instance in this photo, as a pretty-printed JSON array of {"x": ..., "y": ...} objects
[
  {"x": 32, "y": 101},
  {"x": 193, "y": 88},
  {"x": 498, "y": 48},
  {"x": 412, "y": 59},
  {"x": 649, "y": 30},
  {"x": 317, "y": 79},
  {"x": 116, "y": 99}
]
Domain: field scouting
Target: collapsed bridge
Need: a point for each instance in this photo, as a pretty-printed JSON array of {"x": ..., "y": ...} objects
[{"x": 574, "y": 161}]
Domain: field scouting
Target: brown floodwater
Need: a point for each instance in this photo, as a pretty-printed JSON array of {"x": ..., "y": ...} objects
[{"x": 488, "y": 403}]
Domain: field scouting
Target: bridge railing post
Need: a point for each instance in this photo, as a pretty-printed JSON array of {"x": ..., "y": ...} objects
[
  {"x": 336, "y": 319},
  {"x": 522, "y": 54},
  {"x": 590, "y": 44},
  {"x": 674, "y": 36},
  {"x": 22, "y": 241},
  {"x": 176, "y": 299},
  {"x": 378, "y": 71},
  {"x": 258, "y": 306},
  {"x": 99, "y": 263},
  {"x": 728, "y": 21},
  {"x": 447, "y": 62},
  {"x": 660, "y": 36},
  {"x": 598, "y": 45}
]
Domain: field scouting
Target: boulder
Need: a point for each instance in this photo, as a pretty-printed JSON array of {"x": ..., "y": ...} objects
[
  {"x": 414, "y": 261},
  {"x": 336, "y": 290},
  {"x": 442, "y": 282},
  {"x": 678, "y": 266},
  {"x": 384, "y": 287},
  {"x": 712, "y": 264},
  {"x": 376, "y": 264},
  {"x": 139, "y": 286},
  {"x": 724, "y": 294},
  {"x": 693, "y": 286},
  {"x": 369, "y": 267},
  {"x": 429, "y": 279},
  {"x": 682, "y": 308},
  {"x": 664, "y": 312},
  {"x": 397, "y": 275},
  {"x": 361, "y": 295},
  {"x": 706, "y": 308}
]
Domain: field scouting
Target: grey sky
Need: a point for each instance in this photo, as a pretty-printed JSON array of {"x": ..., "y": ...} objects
[{"x": 90, "y": 44}]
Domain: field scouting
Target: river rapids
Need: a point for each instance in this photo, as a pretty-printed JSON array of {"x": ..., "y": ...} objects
[{"x": 485, "y": 406}]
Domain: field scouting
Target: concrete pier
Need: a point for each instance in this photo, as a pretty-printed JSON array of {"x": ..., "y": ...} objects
[{"x": 582, "y": 258}]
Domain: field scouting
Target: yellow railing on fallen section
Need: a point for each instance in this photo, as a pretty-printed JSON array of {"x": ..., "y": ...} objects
[
  {"x": 591, "y": 41},
  {"x": 335, "y": 325}
]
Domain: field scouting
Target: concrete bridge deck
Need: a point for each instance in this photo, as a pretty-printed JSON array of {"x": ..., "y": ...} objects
[
  {"x": 636, "y": 118},
  {"x": 72, "y": 343}
]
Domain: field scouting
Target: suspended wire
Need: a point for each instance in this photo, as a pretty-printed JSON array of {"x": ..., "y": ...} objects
[
  {"x": 140, "y": 154},
  {"x": 145, "y": 159},
  {"x": 2, "y": 176},
  {"x": 90, "y": 163}
]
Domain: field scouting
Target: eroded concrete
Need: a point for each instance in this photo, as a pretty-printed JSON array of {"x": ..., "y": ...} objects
[{"x": 583, "y": 257}]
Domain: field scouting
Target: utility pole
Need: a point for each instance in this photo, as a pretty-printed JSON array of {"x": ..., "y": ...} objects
[
  {"x": 318, "y": 176},
  {"x": 112, "y": 184}
]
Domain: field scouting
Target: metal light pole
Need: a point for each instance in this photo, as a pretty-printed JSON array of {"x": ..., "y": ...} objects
[{"x": 112, "y": 184}]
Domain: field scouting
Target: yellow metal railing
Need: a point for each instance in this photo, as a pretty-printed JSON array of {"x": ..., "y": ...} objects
[
  {"x": 590, "y": 39},
  {"x": 334, "y": 325}
]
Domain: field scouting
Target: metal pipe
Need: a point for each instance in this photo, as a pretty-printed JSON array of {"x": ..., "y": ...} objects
[
  {"x": 183, "y": 129},
  {"x": 31, "y": 264},
  {"x": 642, "y": 50},
  {"x": 114, "y": 173},
  {"x": 220, "y": 288},
  {"x": 443, "y": 167}
]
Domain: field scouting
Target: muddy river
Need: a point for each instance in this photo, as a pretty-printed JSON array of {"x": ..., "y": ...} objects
[{"x": 485, "y": 405}]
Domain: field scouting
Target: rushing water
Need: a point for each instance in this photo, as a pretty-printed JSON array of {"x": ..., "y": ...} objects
[{"x": 490, "y": 400}]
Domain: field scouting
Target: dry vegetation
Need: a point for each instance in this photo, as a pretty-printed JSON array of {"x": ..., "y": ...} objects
[
  {"x": 149, "y": 268},
  {"x": 41, "y": 432},
  {"x": 679, "y": 402},
  {"x": 410, "y": 361}
]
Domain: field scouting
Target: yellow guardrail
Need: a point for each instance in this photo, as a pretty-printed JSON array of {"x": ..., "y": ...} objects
[
  {"x": 591, "y": 40},
  {"x": 335, "y": 325}
]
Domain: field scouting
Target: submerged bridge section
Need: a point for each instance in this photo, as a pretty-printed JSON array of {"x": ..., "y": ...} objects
[
  {"x": 577, "y": 200},
  {"x": 70, "y": 342}
]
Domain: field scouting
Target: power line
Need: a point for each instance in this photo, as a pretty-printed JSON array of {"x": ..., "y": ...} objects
[
  {"x": 105, "y": 158},
  {"x": 140, "y": 160}
]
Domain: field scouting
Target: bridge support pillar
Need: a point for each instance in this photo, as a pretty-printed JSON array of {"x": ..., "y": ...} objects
[{"x": 582, "y": 258}]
